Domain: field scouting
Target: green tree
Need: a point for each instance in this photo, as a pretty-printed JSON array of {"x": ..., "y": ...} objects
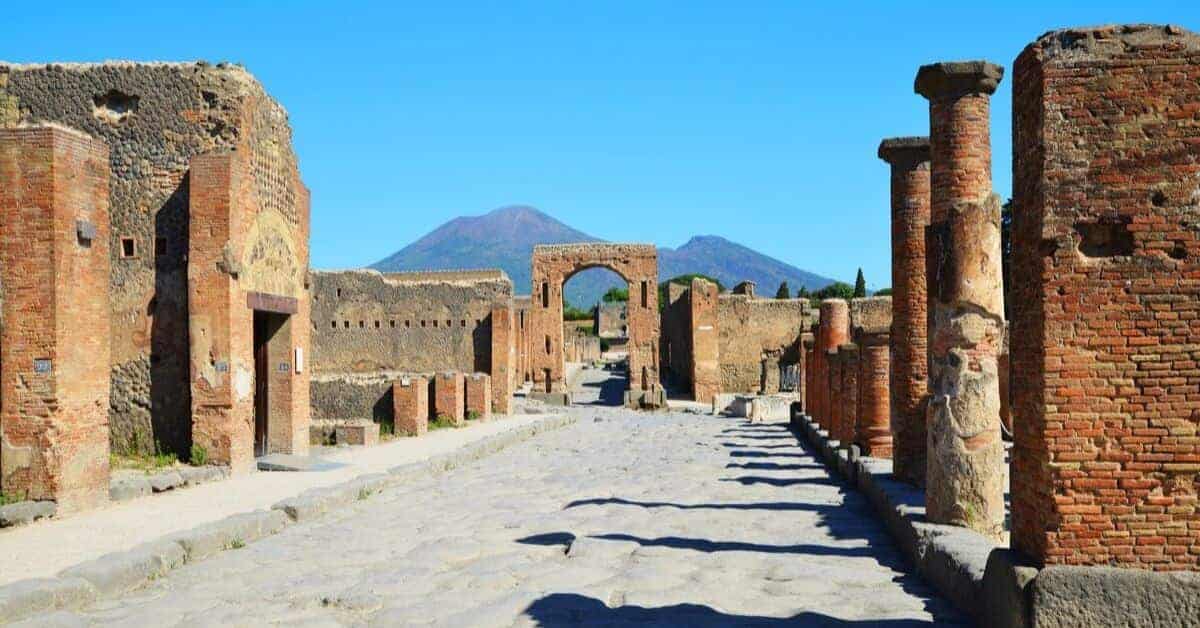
[
  {"x": 572, "y": 313},
  {"x": 615, "y": 294},
  {"x": 886, "y": 292},
  {"x": 835, "y": 290},
  {"x": 860, "y": 285},
  {"x": 783, "y": 292},
  {"x": 802, "y": 292}
]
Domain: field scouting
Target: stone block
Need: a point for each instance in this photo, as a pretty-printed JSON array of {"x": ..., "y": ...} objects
[
  {"x": 1007, "y": 590},
  {"x": 117, "y": 573},
  {"x": 129, "y": 488},
  {"x": 27, "y": 598},
  {"x": 165, "y": 481},
  {"x": 1065, "y": 597},
  {"x": 362, "y": 433},
  {"x": 22, "y": 513}
]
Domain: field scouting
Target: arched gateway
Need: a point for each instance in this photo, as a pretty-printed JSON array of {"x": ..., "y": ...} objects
[{"x": 637, "y": 264}]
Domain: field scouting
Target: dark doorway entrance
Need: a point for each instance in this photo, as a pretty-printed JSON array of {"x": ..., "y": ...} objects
[{"x": 266, "y": 326}]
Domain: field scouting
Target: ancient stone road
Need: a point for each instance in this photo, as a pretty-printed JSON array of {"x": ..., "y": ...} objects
[{"x": 619, "y": 519}]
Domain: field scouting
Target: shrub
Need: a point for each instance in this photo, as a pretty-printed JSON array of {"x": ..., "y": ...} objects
[{"x": 198, "y": 455}]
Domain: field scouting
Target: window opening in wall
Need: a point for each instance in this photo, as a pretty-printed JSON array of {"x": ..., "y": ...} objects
[
  {"x": 339, "y": 293},
  {"x": 408, "y": 323},
  {"x": 463, "y": 323},
  {"x": 361, "y": 324},
  {"x": 128, "y": 247},
  {"x": 435, "y": 323},
  {"x": 422, "y": 323},
  {"x": 547, "y": 345},
  {"x": 346, "y": 324},
  {"x": 376, "y": 324},
  {"x": 393, "y": 323},
  {"x": 449, "y": 323},
  {"x": 545, "y": 294},
  {"x": 335, "y": 324},
  {"x": 645, "y": 295}
]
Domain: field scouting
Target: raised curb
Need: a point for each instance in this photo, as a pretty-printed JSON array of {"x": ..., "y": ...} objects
[{"x": 119, "y": 572}]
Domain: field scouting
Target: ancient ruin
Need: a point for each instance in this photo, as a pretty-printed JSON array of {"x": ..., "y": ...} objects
[{"x": 965, "y": 467}]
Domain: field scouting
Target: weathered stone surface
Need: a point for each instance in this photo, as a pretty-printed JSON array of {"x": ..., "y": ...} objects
[
  {"x": 360, "y": 433},
  {"x": 26, "y": 598},
  {"x": 160, "y": 482},
  {"x": 1007, "y": 590},
  {"x": 229, "y": 533},
  {"x": 1103, "y": 596},
  {"x": 117, "y": 573},
  {"x": 129, "y": 488},
  {"x": 965, "y": 478},
  {"x": 201, "y": 475},
  {"x": 410, "y": 399},
  {"x": 22, "y": 513}
]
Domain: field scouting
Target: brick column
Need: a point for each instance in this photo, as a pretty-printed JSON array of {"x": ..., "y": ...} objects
[
  {"x": 449, "y": 397},
  {"x": 847, "y": 414},
  {"x": 1106, "y": 172},
  {"x": 705, "y": 335},
  {"x": 806, "y": 346},
  {"x": 965, "y": 469},
  {"x": 410, "y": 406},
  {"x": 873, "y": 432},
  {"x": 833, "y": 393},
  {"x": 504, "y": 357},
  {"x": 832, "y": 331},
  {"x": 479, "y": 396},
  {"x": 908, "y": 377},
  {"x": 54, "y": 350}
]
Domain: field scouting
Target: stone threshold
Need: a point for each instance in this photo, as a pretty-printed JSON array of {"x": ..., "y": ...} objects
[
  {"x": 997, "y": 586},
  {"x": 121, "y": 572}
]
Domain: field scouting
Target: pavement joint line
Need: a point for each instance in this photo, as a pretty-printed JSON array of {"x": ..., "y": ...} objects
[{"x": 122, "y": 572}]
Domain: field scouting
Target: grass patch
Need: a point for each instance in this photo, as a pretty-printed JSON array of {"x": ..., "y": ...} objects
[
  {"x": 237, "y": 544},
  {"x": 142, "y": 462},
  {"x": 199, "y": 455},
  {"x": 472, "y": 415},
  {"x": 442, "y": 422},
  {"x": 363, "y": 493},
  {"x": 10, "y": 498},
  {"x": 387, "y": 431}
]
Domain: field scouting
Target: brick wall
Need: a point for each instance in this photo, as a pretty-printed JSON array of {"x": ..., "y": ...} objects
[
  {"x": 479, "y": 395},
  {"x": 449, "y": 397},
  {"x": 54, "y": 353},
  {"x": 1106, "y": 317},
  {"x": 411, "y": 410}
]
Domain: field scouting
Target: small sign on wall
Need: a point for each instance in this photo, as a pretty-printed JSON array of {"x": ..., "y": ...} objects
[
  {"x": 299, "y": 360},
  {"x": 221, "y": 366},
  {"x": 284, "y": 367},
  {"x": 43, "y": 366}
]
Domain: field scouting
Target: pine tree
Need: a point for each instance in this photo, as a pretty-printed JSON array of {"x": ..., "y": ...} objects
[
  {"x": 783, "y": 292},
  {"x": 860, "y": 285},
  {"x": 802, "y": 292}
]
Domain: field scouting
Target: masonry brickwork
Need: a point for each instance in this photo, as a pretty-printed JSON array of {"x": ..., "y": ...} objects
[
  {"x": 1106, "y": 462},
  {"x": 611, "y": 318},
  {"x": 752, "y": 329},
  {"x": 449, "y": 397},
  {"x": 833, "y": 330},
  {"x": 478, "y": 401},
  {"x": 155, "y": 117},
  {"x": 553, "y": 265},
  {"x": 54, "y": 318},
  {"x": 908, "y": 385},
  {"x": 846, "y": 414},
  {"x": 867, "y": 424},
  {"x": 410, "y": 396}
]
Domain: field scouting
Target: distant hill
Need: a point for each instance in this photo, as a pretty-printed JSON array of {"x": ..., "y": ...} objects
[{"x": 504, "y": 238}]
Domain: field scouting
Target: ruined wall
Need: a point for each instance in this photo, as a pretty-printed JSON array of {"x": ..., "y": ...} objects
[
  {"x": 521, "y": 337},
  {"x": 154, "y": 118},
  {"x": 750, "y": 328},
  {"x": 369, "y": 326},
  {"x": 675, "y": 323},
  {"x": 611, "y": 320},
  {"x": 1106, "y": 462}
]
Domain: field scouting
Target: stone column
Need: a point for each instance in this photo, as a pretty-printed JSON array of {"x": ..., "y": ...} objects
[
  {"x": 872, "y": 432},
  {"x": 965, "y": 470},
  {"x": 908, "y": 377},
  {"x": 833, "y": 330},
  {"x": 806, "y": 345},
  {"x": 833, "y": 395}
]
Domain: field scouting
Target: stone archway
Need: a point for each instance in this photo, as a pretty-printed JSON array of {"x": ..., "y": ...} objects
[{"x": 553, "y": 265}]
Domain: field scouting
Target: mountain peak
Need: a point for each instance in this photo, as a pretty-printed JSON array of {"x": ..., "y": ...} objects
[{"x": 504, "y": 238}]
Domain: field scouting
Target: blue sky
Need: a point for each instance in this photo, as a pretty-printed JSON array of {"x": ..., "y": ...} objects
[{"x": 636, "y": 120}]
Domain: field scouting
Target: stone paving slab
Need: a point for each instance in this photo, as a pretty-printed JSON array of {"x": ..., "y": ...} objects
[{"x": 619, "y": 519}]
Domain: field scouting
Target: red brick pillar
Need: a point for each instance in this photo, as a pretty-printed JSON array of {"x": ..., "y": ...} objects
[
  {"x": 965, "y": 470},
  {"x": 873, "y": 431},
  {"x": 908, "y": 379},
  {"x": 832, "y": 331},
  {"x": 1106, "y": 454},
  {"x": 806, "y": 345},
  {"x": 449, "y": 397},
  {"x": 847, "y": 415},
  {"x": 479, "y": 396},
  {"x": 54, "y": 363},
  {"x": 54, "y": 377},
  {"x": 833, "y": 393},
  {"x": 504, "y": 357},
  {"x": 410, "y": 406}
]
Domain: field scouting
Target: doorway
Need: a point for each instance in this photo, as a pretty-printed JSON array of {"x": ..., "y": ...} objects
[{"x": 266, "y": 327}]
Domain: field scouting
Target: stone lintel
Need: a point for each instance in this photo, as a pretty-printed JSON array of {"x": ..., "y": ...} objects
[
  {"x": 904, "y": 151},
  {"x": 951, "y": 79}
]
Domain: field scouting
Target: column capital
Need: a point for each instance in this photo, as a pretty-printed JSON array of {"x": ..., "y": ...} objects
[
  {"x": 904, "y": 151},
  {"x": 952, "y": 79}
]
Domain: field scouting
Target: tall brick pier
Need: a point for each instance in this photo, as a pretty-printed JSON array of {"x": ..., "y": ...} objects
[
  {"x": 965, "y": 466},
  {"x": 908, "y": 386},
  {"x": 833, "y": 331}
]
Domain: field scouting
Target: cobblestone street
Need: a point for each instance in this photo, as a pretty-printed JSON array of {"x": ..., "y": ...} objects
[{"x": 621, "y": 518}]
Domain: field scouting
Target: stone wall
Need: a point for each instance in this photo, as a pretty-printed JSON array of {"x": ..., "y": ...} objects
[
  {"x": 372, "y": 327},
  {"x": 611, "y": 320},
  {"x": 155, "y": 117},
  {"x": 1106, "y": 463},
  {"x": 751, "y": 328}
]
